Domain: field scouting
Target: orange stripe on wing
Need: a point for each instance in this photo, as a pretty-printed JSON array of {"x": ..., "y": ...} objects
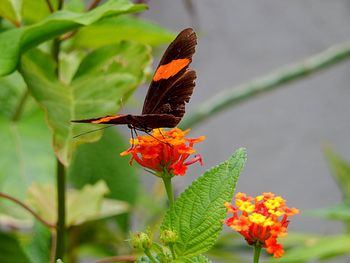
[
  {"x": 171, "y": 69},
  {"x": 106, "y": 119}
]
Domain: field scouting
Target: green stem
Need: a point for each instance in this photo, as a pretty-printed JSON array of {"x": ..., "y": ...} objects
[
  {"x": 26, "y": 207},
  {"x": 149, "y": 255},
  {"x": 49, "y": 5},
  {"x": 56, "y": 45},
  {"x": 171, "y": 246},
  {"x": 169, "y": 190},
  {"x": 61, "y": 211},
  {"x": 257, "y": 250},
  {"x": 118, "y": 259},
  {"x": 277, "y": 79},
  {"x": 60, "y": 4},
  {"x": 93, "y": 4},
  {"x": 19, "y": 109}
]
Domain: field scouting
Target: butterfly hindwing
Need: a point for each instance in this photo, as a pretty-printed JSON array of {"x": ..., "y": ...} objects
[
  {"x": 117, "y": 119},
  {"x": 177, "y": 94},
  {"x": 143, "y": 122}
]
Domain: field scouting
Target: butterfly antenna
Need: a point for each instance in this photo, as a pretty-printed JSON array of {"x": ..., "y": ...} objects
[
  {"x": 160, "y": 131},
  {"x": 150, "y": 134},
  {"x": 76, "y": 136}
]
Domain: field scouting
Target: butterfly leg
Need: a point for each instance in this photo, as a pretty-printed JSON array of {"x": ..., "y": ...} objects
[{"x": 133, "y": 135}]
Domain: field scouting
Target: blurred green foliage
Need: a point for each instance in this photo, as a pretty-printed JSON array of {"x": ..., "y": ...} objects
[{"x": 97, "y": 75}]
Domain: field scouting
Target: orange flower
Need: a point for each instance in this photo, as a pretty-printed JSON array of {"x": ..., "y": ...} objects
[
  {"x": 261, "y": 220},
  {"x": 164, "y": 151}
]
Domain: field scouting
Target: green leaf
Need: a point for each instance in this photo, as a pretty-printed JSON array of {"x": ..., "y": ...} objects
[
  {"x": 11, "y": 10},
  {"x": 124, "y": 57},
  {"x": 38, "y": 247},
  {"x": 10, "y": 250},
  {"x": 105, "y": 78},
  {"x": 35, "y": 11},
  {"x": 43, "y": 199},
  {"x": 59, "y": 261},
  {"x": 316, "y": 249},
  {"x": 115, "y": 29},
  {"x": 196, "y": 259},
  {"x": 102, "y": 161},
  {"x": 75, "y": 5},
  {"x": 69, "y": 63},
  {"x": 80, "y": 211},
  {"x": 340, "y": 170},
  {"x": 16, "y": 41},
  {"x": 198, "y": 213},
  {"x": 335, "y": 212},
  {"x": 12, "y": 88},
  {"x": 25, "y": 157}
]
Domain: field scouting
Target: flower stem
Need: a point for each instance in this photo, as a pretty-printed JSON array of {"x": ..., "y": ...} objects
[
  {"x": 169, "y": 190},
  {"x": 61, "y": 210},
  {"x": 149, "y": 255},
  {"x": 257, "y": 250},
  {"x": 277, "y": 79},
  {"x": 118, "y": 259}
]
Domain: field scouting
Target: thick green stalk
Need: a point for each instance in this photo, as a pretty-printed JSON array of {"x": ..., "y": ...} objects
[
  {"x": 277, "y": 79},
  {"x": 61, "y": 211},
  {"x": 60, "y": 173},
  {"x": 257, "y": 250}
]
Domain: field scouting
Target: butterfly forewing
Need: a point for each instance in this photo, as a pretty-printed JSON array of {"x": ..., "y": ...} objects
[
  {"x": 183, "y": 46},
  {"x": 173, "y": 65}
]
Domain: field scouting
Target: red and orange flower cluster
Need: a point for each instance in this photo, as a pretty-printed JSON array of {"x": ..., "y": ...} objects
[
  {"x": 261, "y": 220},
  {"x": 164, "y": 151}
]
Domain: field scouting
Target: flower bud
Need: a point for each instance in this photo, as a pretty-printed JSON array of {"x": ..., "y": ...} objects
[
  {"x": 168, "y": 237},
  {"x": 141, "y": 240}
]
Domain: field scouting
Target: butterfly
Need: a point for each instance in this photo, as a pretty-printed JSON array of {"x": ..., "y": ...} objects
[{"x": 171, "y": 88}]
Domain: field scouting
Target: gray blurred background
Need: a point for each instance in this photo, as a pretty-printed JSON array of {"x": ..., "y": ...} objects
[{"x": 284, "y": 130}]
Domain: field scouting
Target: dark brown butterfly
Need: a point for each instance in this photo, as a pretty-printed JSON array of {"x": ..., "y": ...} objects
[{"x": 171, "y": 88}]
